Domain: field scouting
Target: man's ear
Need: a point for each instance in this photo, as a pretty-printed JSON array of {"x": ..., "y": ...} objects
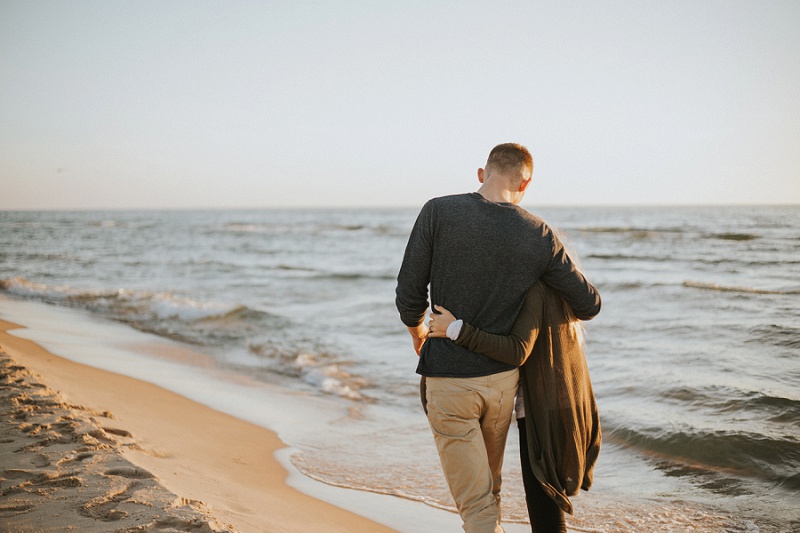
[
  {"x": 481, "y": 175},
  {"x": 524, "y": 184}
]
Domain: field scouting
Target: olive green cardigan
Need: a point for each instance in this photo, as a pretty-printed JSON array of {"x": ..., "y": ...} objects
[{"x": 562, "y": 423}]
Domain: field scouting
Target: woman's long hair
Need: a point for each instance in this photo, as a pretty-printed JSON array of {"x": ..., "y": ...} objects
[{"x": 576, "y": 325}]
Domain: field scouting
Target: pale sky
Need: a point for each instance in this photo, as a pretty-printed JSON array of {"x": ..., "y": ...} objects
[{"x": 225, "y": 104}]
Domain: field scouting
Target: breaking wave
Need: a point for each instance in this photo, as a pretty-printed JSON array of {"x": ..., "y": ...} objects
[
  {"x": 209, "y": 324},
  {"x": 728, "y": 288},
  {"x": 162, "y": 313},
  {"x": 313, "y": 365}
]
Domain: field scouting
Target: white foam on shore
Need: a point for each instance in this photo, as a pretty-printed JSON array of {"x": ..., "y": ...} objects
[
  {"x": 404, "y": 515},
  {"x": 92, "y": 341}
]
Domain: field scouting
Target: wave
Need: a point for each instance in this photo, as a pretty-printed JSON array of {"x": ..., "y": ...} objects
[
  {"x": 348, "y": 276},
  {"x": 727, "y": 288},
  {"x": 321, "y": 369},
  {"x": 347, "y": 227},
  {"x": 294, "y": 268},
  {"x": 356, "y": 276},
  {"x": 629, "y": 257},
  {"x": 770, "y": 458},
  {"x": 163, "y": 313},
  {"x": 644, "y": 232},
  {"x": 743, "y": 262},
  {"x": 20, "y": 286},
  {"x": 726, "y": 400},
  {"x": 25, "y": 256},
  {"x": 209, "y": 324},
  {"x": 318, "y": 274},
  {"x": 732, "y": 236},
  {"x": 283, "y": 228},
  {"x": 160, "y": 305},
  {"x": 776, "y": 335},
  {"x": 330, "y": 378},
  {"x": 624, "y": 286},
  {"x": 105, "y": 223},
  {"x": 246, "y": 228}
]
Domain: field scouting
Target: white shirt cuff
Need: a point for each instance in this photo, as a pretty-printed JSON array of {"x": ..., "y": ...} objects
[{"x": 454, "y": 329}]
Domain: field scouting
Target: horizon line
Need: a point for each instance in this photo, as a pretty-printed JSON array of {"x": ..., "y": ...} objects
[{"x": 399, "y": 207}]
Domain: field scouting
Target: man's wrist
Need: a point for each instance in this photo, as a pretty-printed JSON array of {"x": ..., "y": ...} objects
[{"x": 419, "y": 331}]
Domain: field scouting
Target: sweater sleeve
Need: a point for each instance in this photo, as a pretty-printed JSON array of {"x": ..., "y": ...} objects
[
  {"x": 514, "y": 348},
  {"x": 563, "y": 276},
  {"x": 411, "y": 294}
]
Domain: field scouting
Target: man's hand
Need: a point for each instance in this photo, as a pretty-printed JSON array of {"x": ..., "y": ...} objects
[{"x": 418, "y": 335}]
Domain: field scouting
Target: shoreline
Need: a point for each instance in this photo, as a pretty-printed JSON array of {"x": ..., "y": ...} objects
[
  {"x": 220, "y": 467},
  {"x": 175, "y": 416},
  {"x": 180, "y": 413}
]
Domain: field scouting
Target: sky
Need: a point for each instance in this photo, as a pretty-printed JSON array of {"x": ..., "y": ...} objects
[{"x": 250, "y": 104}]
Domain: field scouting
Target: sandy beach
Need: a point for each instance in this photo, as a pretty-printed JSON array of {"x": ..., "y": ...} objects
[{"x": 83, "y": 449}]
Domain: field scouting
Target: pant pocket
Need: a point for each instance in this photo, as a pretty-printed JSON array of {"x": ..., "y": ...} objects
[
  {"x": 506, "y": 409},
  {"x": 453, "y": 414}
]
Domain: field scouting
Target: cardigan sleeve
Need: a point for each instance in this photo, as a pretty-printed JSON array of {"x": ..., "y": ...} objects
[{"x": 514, "y": 348}]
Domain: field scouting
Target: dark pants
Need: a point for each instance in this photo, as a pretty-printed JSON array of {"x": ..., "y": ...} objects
[{"x": 545, "y": 515}]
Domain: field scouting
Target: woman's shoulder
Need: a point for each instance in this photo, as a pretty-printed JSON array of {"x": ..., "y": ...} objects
[
  {"x": 539, "y": 291},
  {"x": 543, "y": 297},
  {"x": 535, "y": 298}
]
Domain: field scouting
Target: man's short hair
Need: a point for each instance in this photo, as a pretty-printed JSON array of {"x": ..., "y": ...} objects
[{"x": 511, "y": 159}]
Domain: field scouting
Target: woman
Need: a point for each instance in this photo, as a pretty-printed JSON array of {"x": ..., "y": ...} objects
[{"x": 556, "y": 413}]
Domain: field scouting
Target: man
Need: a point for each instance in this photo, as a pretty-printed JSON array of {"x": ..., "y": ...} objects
[{"x": 479, "y": 253}]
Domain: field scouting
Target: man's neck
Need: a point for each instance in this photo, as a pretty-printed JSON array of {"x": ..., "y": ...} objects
[{"x": 497, "y": 195}]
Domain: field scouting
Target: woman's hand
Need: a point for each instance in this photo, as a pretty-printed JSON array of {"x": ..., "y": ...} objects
[{"x": 439, "y": 322}]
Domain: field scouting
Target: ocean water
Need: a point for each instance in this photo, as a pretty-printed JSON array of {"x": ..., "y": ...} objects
[{"x": 695, "y": 357}]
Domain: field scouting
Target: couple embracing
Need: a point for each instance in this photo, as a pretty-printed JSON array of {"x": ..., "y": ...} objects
[{"x": 505, "y": 331}]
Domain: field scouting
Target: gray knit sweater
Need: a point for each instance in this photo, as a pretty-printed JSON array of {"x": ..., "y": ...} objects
[{"x": 479, "y": 259}]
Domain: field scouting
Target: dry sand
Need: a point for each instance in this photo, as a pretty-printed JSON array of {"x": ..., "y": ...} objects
[{"x": 86, "y": 450}]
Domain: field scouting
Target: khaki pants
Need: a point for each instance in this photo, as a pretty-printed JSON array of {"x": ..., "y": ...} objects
[{"x": 469, "y": 418}]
